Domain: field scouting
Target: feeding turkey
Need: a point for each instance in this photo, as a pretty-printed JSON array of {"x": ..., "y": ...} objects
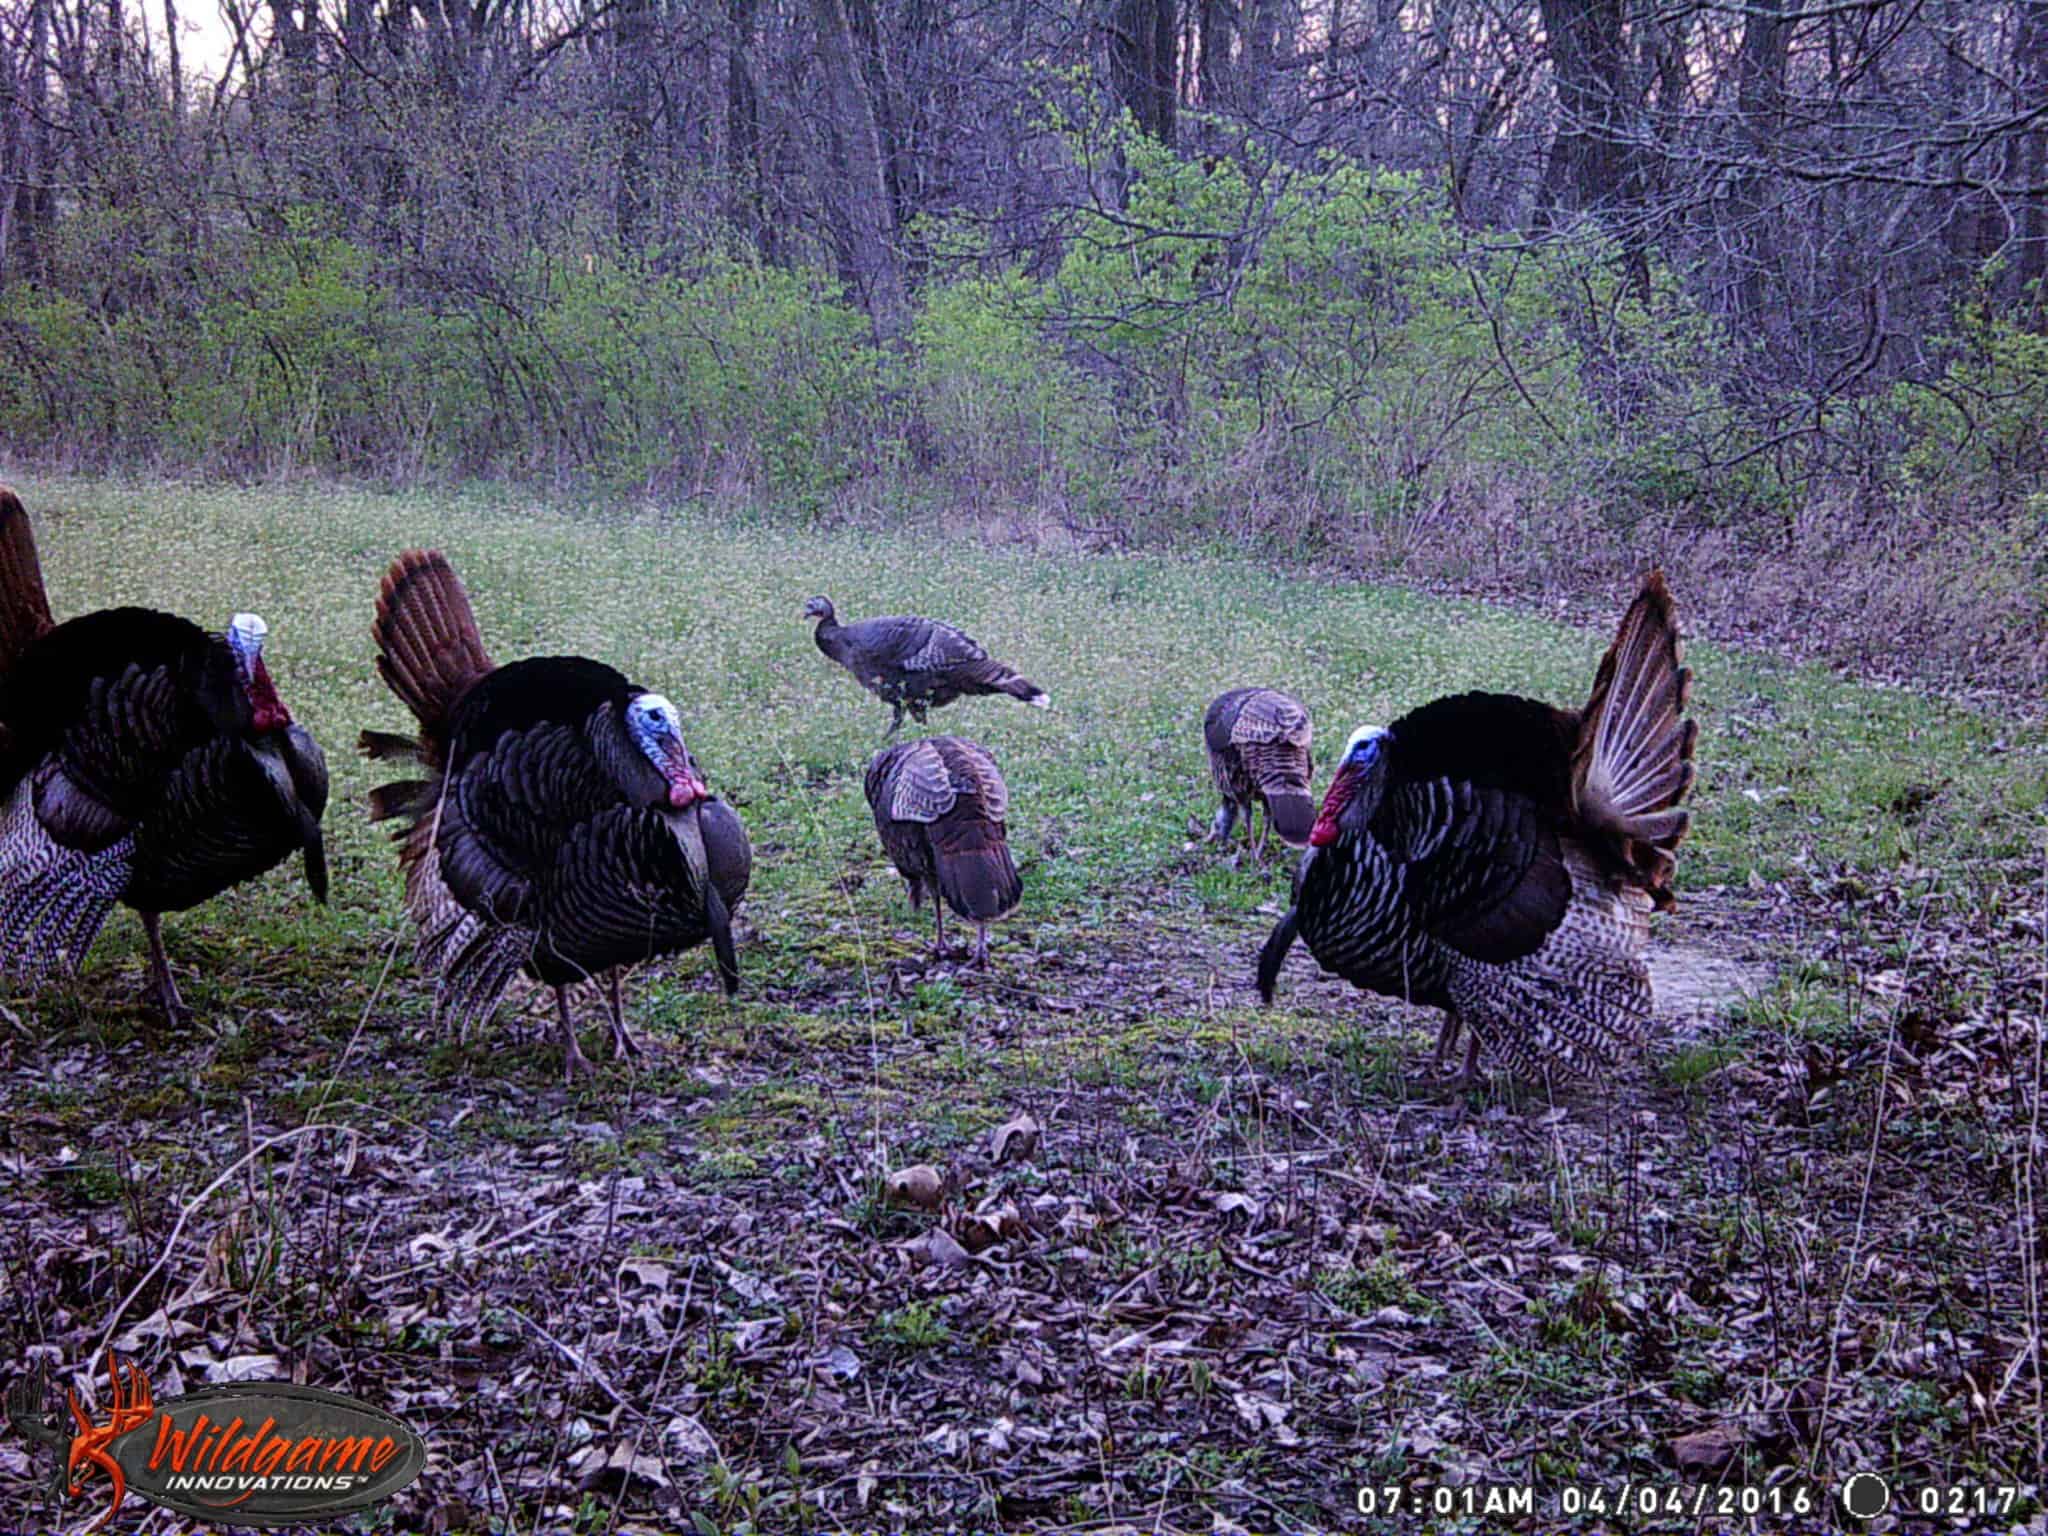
[
  {"x": 940, "y": 806},
  {"x": 1259, "y": 742},
  {"x": 562, "y": 828},
  {"x": 915, "y": 664},
  {"x": 1499, "y": 858},
  {"x": 144, "y": 761}
]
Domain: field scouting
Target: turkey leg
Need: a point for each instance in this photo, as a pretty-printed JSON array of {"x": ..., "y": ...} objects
[
  {"x": 574, "y": 1063},
  {"x": 623, "y": 1043},
  {"x": 1444, "y": 1040},
  {"x": 160, "y": 972}
]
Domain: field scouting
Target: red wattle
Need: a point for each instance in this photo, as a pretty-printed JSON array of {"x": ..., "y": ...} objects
[
  {"x": 266, "y": 710},
  {"x": 1335, "y": 798}
]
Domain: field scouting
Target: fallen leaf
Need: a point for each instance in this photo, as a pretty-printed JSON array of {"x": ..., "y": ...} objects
[
  {"x": 1708, "y": 1452},
  {"x": 246, "y": 1368},
  {"x": 1015, "y": 1139},
  {"x": 684, "y": 1438},
  {"x": 920, "y": 1185},
  {"x": 937, "y": 1247},
  {"x": 837, "y": 1361}
]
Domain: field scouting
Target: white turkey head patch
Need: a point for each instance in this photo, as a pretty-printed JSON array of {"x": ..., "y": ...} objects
[
  {"x": 657, "y": 730},
  {"x": 1363, "y": 753},
  {"x": 245, "y": 636}
]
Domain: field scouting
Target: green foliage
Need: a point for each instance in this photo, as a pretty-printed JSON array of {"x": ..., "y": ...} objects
[
  {"x": 1980, "y": 423},
  {"x": 1333, "y": 339},
  {"x": 1312, "y": 352},
  {"x": 300, "y": 348}
]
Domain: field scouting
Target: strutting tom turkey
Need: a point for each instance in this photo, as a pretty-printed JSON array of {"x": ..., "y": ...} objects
[
  {"x": 143, "y": 760},
  {"x": 939, "y": 806},
  {"x": 562, "y": 827},
  {"x": 1499, "y": 858},
  {"x": 1259, "y": 753},
  {"x": 915, "y": 664}
]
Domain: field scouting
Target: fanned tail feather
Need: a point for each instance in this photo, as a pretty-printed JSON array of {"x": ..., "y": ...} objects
[
  {"x": 429, "y": 650},
  {"x": 24, "y": 605},
  {"x": 407, "y": 797},
  {"x": 1633, "y": 761},
  {"x": 389, "y": 747}
]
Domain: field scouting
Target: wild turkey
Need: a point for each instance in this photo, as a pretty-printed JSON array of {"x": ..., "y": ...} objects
[
  {"x": 563, "y": 828},
  {"x": 142, "y": 761},
  {"x": 915, "y": 664},
  {"x": 939, "y": 806},
  {"x": 1499, "y": 858},
  {"x": 1258, "y": 741}
]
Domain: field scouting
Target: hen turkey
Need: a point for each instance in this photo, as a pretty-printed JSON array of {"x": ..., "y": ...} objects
[
  {"x": 1498, "y": 858},
  {"x": 1259, "y": 752},
  {"x": 939, "y": 806},
  {"x": 142, "y": 761},
  {"x": 915, "y": 664},
  {"x": 563, "y": 828}
]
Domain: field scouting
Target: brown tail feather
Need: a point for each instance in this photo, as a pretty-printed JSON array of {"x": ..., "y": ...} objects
[
  {"x": 1633, "y": 764},
  {"x": 24, "y": 605},
  {"x": 992, "y": 676},
  {"x": 407, "y": 797},
  {"x": 975, "y": 872},
  {"x": 429, "y": 650},
  {"x": 389, "y": 747}
]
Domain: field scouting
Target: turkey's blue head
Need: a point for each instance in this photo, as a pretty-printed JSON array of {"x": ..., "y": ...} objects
[
  {"x": 245, "y": 637},
  {"x": 1360, "y": 768},
  {"x": 657, "y": 730}
]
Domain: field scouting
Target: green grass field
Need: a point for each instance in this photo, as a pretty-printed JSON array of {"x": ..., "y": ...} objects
[{"x": 1791, "y": 1199}]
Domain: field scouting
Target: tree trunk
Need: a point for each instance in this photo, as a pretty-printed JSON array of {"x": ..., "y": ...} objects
[
  {"x": 1760, "y": 111},
  {"x": 1592, "y": 169},
  {"x": 2030, "y": 74},
  {"x": 746, "y": 178},
  {"x": 632, "y": 50},
  {"x": 859, "y": 204},
  {"x": 1142, "y": 73},
  {"x": 28, "y": 202}
]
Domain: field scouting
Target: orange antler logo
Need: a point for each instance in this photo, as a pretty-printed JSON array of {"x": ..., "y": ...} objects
[
  {"x": 274, "y": 1452},
  {"x": 129, "y": 1406}
]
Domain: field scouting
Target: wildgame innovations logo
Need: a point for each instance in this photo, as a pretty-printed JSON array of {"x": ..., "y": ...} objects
[{"x": 253, "y": 1453}]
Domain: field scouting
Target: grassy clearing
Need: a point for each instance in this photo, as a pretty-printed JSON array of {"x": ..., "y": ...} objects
[{"x": 1238, "y": 1186}]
